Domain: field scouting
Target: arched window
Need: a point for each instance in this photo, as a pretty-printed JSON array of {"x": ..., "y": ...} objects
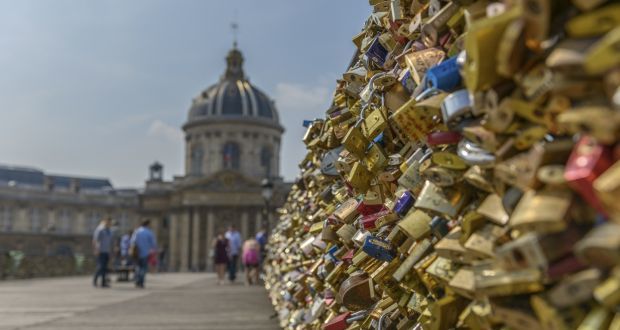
[
  {"x": 265, "y": 160},
  {"x": 231, "y": 156},
  {"x": 197, "y": 156}
]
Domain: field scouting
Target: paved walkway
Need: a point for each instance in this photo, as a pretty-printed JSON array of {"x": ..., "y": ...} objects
[{"x": 170, "y": 301}]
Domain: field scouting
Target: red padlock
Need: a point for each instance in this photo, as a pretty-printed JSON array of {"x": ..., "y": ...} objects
[
  {"x": 370, "y": 221},
  {"x": 587, "y": 161},
  {"x": 368, "y": 209},
  {"x": 338, "y": 323},
  {"x": 439, "y": 138}
]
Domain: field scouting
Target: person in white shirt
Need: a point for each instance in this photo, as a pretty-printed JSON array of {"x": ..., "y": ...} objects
[{"x": 234, "y": 249}]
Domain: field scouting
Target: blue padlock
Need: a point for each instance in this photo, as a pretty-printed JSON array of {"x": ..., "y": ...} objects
[
  {"x": 376, "y": 52},
  {"x": 378, "y": 249},
  {"x": 307, "y": 123},
  {"x": 439, "y": 227},
  {"x": 444, "y": 76},
  {"x": 331, "y": 253},
  {"x": 404, "y": 203},
  {"x": 407, "y": 81}
]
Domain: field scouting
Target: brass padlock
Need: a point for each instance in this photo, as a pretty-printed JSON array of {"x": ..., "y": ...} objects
[
  {"x": 543, "y": 211},
  {"x": 441, "y": 201}
]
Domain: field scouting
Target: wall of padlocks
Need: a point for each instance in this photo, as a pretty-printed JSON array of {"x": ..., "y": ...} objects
[{"x": 466, "y": 175}]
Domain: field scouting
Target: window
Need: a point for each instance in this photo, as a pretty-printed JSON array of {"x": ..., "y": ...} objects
[
  {"x": 93, "y": 220},
  {"x": 36, "y": 219},
  {"x": 197, "y": 155},
  {"x": 231, "y": 156},
  {"x": 6, "y": 217},
  {"x": 65, "y": 217},
  {"x": 265, "y": 160}
]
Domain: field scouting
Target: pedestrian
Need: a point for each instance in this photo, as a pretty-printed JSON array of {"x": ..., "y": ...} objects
[
  {"x": 102, "y": 245},
  {"x": 124, "y": 247},
  {"x": 162, "y": 259},
  {"x": 250, "y": 256},
  {"x": 234, "y": 248},
  {"x": 220, "y": 256},
  {"x": 261, "y": 238},
  {"x": 143, "y": 243}
]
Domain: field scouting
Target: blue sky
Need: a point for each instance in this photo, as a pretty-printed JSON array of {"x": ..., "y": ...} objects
[{"x": 101, "y": 88}]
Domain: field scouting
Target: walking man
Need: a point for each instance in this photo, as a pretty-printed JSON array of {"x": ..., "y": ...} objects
[
  {"x": 102, "y": 245},
  {"x": 144, "y": 242},
  {"x": 234, "y": 248},
  {"x": 261, "y": 238}
]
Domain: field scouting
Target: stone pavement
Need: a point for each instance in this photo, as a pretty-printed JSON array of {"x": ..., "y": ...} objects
[{"x": 180, "y": 301}]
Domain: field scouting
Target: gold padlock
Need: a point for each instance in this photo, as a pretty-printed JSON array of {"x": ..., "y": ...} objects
[
  {"x": 441, "y": 201},
  {"x": 543, "y": 211},
  {"x": 356, "y": 142},
  {"x": 416, "y": 224}
]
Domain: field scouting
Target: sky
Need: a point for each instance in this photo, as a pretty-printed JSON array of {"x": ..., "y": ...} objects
[{"x": 102, "y": 88}]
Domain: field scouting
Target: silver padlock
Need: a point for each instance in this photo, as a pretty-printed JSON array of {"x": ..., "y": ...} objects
[
  {"x": 473, "y": 154},
  {"x": 456, "y": 107}
]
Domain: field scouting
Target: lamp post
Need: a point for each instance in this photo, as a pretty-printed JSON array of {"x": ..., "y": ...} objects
[{"x": 267, "y": 192}]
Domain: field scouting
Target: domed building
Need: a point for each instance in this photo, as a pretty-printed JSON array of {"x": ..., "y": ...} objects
[
  {"x": 232, "y": 147},
  {"x": 232, "y": 125}
]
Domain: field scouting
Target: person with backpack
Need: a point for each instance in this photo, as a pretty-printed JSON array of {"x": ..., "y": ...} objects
[{"x": 251, "y": 258}]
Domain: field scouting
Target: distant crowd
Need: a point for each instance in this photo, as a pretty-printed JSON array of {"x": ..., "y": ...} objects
[
  {"x": 134, "y": 251},
  {"x": 137, "y": 250}
]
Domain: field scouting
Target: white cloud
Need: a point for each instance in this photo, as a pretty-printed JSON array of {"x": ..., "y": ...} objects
[{"x": 161, "y": 129}]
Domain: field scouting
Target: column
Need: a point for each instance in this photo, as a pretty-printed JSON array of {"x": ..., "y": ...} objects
[
  {"x": 173, "y": 248},
  {"x": 195, "y": 239},
  {"x": 210, "y": 237},
  {"x": 244, "y": 225},
  {"x": 184, "y": 240}
]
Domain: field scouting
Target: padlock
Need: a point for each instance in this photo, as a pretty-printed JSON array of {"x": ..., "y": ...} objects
[
  {"x": 436, "y": 25},
  {"x": 404, "y": 203},
  {"x": 347, "y": 211},
  {"x": 378, "y": 249},
  {"x": 543, "y": 212},
  {"x": 607, "y": 189},
  {"x": 481, "y": 42},
  {"x": 601, "y": 246},
  {"x": 328, "y": 163},
  {"x": 587, "y": 161},
  {"x": 473, "y": 154},
  {"x": 444, "y": 76},
  {"x": 417, "y": 119},
  {"x": 416, "y": 224},
  {"x": 376, "y": 53},
  {"x": 355, "y": 142},
  {"x": 419, "y": 62},
  {"x": 441, "y": 201},
  {"x": 456, "y": 107}
]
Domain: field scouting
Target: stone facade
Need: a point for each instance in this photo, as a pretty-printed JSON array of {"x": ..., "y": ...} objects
[{"x": 233, "y": 138}]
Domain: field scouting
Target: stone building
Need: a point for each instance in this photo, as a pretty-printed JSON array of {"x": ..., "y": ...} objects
[
  {"x": 232, "y": 143},
  {"x": 44, "y": 214}
]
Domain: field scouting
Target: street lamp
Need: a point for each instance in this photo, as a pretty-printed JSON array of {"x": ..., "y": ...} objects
[{"x": 267, "y": 192}]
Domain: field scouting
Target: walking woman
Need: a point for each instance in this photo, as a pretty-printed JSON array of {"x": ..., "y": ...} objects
[
  {"x": 251, "y": 258},
  {"x": 220, "y": 247}
]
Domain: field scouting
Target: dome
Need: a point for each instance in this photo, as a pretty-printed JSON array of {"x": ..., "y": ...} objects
[{"x": 233, "y": 97}]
